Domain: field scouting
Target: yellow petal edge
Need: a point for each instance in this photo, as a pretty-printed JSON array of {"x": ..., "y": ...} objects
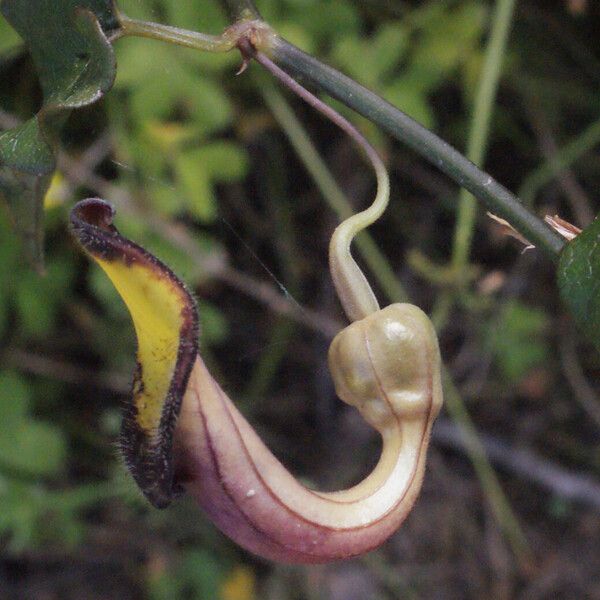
[{"x": 166, "y": 325}]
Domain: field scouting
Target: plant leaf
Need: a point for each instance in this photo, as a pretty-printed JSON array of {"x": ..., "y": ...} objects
[
  {"x": 579, "y": 280},
  {"x": 76, "y": 67}
]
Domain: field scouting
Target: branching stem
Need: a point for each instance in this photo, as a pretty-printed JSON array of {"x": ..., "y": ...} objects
[
  {"x": 248, "y": 27},
  {"x": 497, "y": 198},
  {"x": 175, "y": 35},
  {"x": 258, "y": 32},
  {"x": 480, "y": 127}
]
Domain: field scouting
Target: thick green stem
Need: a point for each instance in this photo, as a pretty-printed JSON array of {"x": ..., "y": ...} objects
[
  {"x": 478, "y": 137},
  {"x": 497, "y": 198}
]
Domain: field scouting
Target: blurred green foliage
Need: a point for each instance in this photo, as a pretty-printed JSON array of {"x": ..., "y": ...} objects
[
  {"x": 519, "y": 340},
  {"x": 9, "y": 38},
  {"x": 432, "y": 44},
  {"x": 198, "y": 575},
  {"x": 27, "y": 446}
]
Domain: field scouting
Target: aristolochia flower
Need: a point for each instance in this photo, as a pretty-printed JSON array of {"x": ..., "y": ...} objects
[{"x": 182, "y": 432}]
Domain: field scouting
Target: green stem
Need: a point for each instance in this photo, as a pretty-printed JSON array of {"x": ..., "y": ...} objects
[
  {"x": 174, "y": 35},
  {"x": 566, "y": 156},
  {"x": 331, "y": 191},
  {"x": 497, "y": 198},
  {"x": 478, "y": 137}
]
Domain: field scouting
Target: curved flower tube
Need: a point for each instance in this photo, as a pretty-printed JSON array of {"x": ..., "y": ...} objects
[{"x": 181, "y": 430}]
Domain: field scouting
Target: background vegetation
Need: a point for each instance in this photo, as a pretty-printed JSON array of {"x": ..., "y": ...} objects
[{"x": 213, "y": 174}]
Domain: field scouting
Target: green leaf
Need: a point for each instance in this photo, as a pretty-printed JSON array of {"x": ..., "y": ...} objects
[
  {"x": 198, "y": 575},
  {"x": 33, "y": 517},
  {"x": 161, "y": 84},
  {"x": 194, "y": 181},
  {"x": 207, "y": 15},
  {"x": 8, "y": 270},
  {"x": 371, "y": 60},
  {"x": 342, "y": 17},
  {"x": 410, "y": 99},
  {"x": 33, "y": 447},
  {"x": 8, "y": 36},
  {"x": 199, "y": 168},
  {"x": 225, "y": 161},
  {"x": 18, "y": 515},
  {"x": 579, "y": 280},
  {"x": 213, "y": 324},
  {"x": 16, "y": 397},
  {"x": 447, "y": 41},
  {"x": 38, "y": 299},
  {"x": 519, "y": 340},
  {"x": 76, "y": 67},
  {"x": 26, "y": 445}
]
